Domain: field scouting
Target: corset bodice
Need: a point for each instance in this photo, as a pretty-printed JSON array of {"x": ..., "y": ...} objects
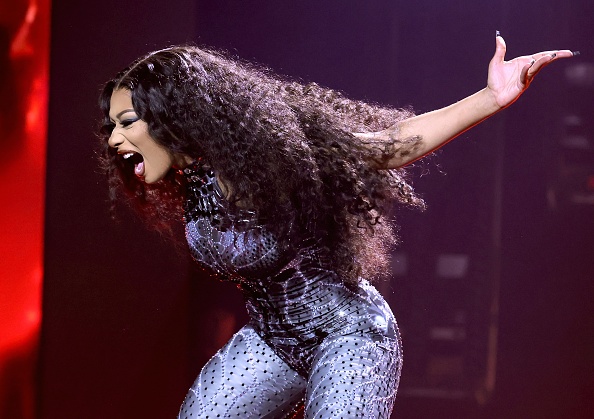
[{"x": 294, "y": 301}]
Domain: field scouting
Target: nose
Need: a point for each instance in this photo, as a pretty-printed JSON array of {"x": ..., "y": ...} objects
[{"x": 115, "y": 139}]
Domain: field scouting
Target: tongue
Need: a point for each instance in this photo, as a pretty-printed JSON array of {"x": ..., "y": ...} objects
[{"x": 139, "y": 169}]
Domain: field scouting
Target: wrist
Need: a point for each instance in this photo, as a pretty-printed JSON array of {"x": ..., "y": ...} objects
[{"x": 489, "y": 102}]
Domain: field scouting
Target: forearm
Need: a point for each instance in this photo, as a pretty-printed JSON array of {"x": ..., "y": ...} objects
[
  {"x": 506, "y": 81},
  {"x": 438, "y": 127}
]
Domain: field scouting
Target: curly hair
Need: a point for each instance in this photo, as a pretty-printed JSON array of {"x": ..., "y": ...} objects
[{"x": 286, "y": 149}]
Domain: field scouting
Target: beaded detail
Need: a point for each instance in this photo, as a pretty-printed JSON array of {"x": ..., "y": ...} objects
[
  {"x": 229, "y": 242},
  {"x": 313, "y": 323}
]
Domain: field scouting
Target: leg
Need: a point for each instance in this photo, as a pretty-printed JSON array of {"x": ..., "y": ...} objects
[
  {"x": 245, "y": 379},
  {"x": 354, "y": 377}
]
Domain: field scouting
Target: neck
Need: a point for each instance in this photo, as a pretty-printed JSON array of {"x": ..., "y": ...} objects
[{"x": 181, "y": 161}]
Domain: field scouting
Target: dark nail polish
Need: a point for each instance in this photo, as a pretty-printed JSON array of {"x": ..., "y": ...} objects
[
  {"x": 497, "y": 33},
  {"x": 575, "y": 53}
]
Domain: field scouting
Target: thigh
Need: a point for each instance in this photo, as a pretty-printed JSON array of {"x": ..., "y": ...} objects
[
  {"x": 245, "y": 379},
  {"x": 354, "y": 376}
]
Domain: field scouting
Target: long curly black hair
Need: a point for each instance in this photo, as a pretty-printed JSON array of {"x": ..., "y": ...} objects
[{"x": 285, "y": 148}]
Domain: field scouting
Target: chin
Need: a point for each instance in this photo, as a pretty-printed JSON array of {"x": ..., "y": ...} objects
[{"x": 152, "y": 179}]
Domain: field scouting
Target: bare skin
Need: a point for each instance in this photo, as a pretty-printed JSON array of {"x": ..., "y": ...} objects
[{"x": 506, "y": 81}]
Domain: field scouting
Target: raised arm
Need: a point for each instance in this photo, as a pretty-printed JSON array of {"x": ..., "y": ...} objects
[{"x": 506, "y": 81}]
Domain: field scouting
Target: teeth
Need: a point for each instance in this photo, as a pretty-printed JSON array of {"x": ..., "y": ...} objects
[{"x": 127, "y": 155}]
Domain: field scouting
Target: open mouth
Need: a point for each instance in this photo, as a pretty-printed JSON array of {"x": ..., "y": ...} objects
[{"x": 136, "y": 160}]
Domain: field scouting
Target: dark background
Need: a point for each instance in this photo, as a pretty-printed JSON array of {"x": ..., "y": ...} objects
[{"x": 128, "y": 320}]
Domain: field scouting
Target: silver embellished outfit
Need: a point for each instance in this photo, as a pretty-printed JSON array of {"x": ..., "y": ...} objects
[{"x": 311, "y": 343}]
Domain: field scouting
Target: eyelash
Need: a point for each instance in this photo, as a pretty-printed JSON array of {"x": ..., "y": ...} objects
[{"x": 128, "y": 122}]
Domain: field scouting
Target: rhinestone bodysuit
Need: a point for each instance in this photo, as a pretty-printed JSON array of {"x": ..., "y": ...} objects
[{"x": 311, "y": 341}]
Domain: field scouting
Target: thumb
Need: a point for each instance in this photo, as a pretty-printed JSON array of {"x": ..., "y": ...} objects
[{"x": 500, "y": 48}]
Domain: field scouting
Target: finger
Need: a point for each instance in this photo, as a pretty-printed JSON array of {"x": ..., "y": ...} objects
[
  {"x": 524, "y": 77},
  {"x": 500, "y": 48},
  {"x": 534, "y": 67},
  {"x": 540, "y": 63},
  {"x": 562, "y": 53}
]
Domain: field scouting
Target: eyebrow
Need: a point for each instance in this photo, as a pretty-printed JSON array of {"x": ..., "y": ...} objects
[{"x": 123, "y": 112}]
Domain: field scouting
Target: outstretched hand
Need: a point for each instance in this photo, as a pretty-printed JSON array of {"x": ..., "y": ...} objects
[{"x": 507, "y": 80}]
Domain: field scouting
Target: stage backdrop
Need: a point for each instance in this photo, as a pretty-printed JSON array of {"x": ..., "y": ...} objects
[{"x": 128, "y": 321}]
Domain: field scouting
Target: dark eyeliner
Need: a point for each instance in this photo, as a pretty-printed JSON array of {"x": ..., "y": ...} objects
[{"x": 127, "y": 122}]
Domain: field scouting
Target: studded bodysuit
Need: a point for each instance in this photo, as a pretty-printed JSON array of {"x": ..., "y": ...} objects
[{"x": 311, "y": 342}]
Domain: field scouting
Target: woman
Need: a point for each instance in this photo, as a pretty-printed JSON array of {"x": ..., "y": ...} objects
[{"x": 284, "y": 190}]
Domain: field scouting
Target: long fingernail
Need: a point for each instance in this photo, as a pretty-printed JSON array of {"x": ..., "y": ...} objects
[
  {"x": 497, "y": 33},
  {"x": 575, "y": 53}
]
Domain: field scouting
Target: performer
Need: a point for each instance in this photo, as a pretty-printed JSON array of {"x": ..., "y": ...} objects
[{"x": 284, "y": 189}]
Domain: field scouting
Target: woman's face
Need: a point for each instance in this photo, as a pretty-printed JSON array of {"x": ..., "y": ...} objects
[{"x": 149, "y": 160}]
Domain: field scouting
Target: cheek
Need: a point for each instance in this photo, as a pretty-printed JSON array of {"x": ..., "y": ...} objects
[
  {"x": 152, "y": 151},
  {"x": 160, "y": 159},
  {"x": 166, "y": 161}
]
